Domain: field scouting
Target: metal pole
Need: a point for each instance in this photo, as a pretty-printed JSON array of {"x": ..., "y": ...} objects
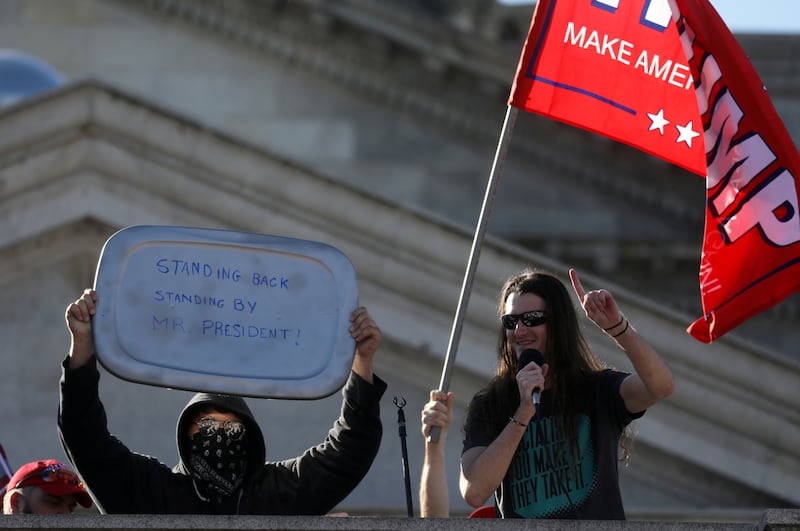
[
  {"x": 401, "y": 426},
  {"x": 472, "y": 263}
]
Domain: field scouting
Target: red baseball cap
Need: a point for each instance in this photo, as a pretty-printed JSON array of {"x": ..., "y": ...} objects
[{"x": 53, "y": 477}]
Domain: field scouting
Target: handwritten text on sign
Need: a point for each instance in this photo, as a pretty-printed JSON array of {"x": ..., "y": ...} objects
[
  {"x": 206, "y": 305},
  {"x": 183, "y": 269}
]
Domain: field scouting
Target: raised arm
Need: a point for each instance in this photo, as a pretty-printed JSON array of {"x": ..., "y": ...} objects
[
  {"x": 652, "y": 379},
  {"x": 328, "y": 472},
  {"x": 434, "y": 496},
  {"x": 367, "y": 336},
  {"x": 79, "y": 322}
]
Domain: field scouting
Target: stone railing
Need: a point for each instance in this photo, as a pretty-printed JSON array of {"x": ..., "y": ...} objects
[{"x": 772, "y": 519}]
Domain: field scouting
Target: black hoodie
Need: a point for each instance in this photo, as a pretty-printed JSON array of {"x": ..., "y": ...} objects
[{"x": 124, "y": 482}]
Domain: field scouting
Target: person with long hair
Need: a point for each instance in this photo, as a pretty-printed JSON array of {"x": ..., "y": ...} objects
[{"x": 557, "y": 459}]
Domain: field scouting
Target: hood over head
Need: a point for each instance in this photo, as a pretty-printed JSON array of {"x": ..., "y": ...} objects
[{"x": 256, "y": 452}]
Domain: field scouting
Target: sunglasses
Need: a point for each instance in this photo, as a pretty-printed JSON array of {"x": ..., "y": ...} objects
[
  {"x": 534, "y": 318},
  {"x": 233, "y": 428},
  {"x": 53, "y": 474}
]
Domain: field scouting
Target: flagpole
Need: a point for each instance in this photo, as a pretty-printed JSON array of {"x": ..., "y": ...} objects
[
  {"x": 3, "y": 461},
  {"x": 472, "y": 263},
  {"x": 6, "y": 471}
]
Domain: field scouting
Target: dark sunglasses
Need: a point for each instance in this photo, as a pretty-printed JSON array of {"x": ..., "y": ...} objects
[
  {"x": 233, "y": 428},
  {"x": 53, "y": 474},
  {"x": 534, "y": 318}
]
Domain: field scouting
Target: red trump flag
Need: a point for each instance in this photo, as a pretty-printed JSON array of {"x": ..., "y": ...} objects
[
  {"x": 751, "y": 246},
  {"x": 617, "y": 68},
  {"x": 669, "y": 78}
]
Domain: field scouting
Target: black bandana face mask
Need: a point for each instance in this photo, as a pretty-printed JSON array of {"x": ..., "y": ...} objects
[{"x": 218, "y": 462}]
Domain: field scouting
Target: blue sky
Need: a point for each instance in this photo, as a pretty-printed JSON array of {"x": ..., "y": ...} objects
[
  {"x": 778, "y": 16},
  {"x": 754, "y": 16}
]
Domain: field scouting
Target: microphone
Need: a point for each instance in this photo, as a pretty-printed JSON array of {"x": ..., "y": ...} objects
[{"x": 527, "y": 356}]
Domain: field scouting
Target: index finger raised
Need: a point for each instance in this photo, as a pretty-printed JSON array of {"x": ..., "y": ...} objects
[{"x": 576, "y": 284}]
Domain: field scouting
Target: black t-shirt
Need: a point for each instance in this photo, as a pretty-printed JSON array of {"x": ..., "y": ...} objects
[{"x": 546, "y": 479}]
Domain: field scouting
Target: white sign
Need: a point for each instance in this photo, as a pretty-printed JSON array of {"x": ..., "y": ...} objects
[{"x": 225, "y": 311}]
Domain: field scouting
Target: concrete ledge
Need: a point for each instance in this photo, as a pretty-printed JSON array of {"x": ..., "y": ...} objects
[
  {"x": 773, "y": 519},
  {"x": 780, "y": 519}
]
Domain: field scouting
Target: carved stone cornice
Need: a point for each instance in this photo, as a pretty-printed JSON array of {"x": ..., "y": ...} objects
[
  {"x": 447, "y": 78},
  {"x": 431, "y": 67}
]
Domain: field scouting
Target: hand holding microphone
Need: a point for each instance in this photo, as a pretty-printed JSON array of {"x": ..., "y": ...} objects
[{"x": 527, "y": 356}]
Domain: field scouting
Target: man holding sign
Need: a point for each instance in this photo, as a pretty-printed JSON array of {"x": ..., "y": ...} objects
[{"x": 222, "y": 467}]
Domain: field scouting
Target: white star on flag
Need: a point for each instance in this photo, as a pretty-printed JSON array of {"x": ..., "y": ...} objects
[
  {"x": 686, "y": 133},
  {"x": 657, "y": 121}
]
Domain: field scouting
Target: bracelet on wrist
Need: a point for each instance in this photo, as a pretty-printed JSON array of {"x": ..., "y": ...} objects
[
  {"x": 622, "y": 319},
  {"x": 623, "y": 330},
  {"x": 515, "y": 421}
]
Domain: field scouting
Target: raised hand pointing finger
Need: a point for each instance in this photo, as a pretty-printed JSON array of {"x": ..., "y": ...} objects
[{"x": 576, "y": 284}]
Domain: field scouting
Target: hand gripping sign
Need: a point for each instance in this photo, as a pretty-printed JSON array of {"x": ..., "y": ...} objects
[{"x": 225, "y": 311}]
